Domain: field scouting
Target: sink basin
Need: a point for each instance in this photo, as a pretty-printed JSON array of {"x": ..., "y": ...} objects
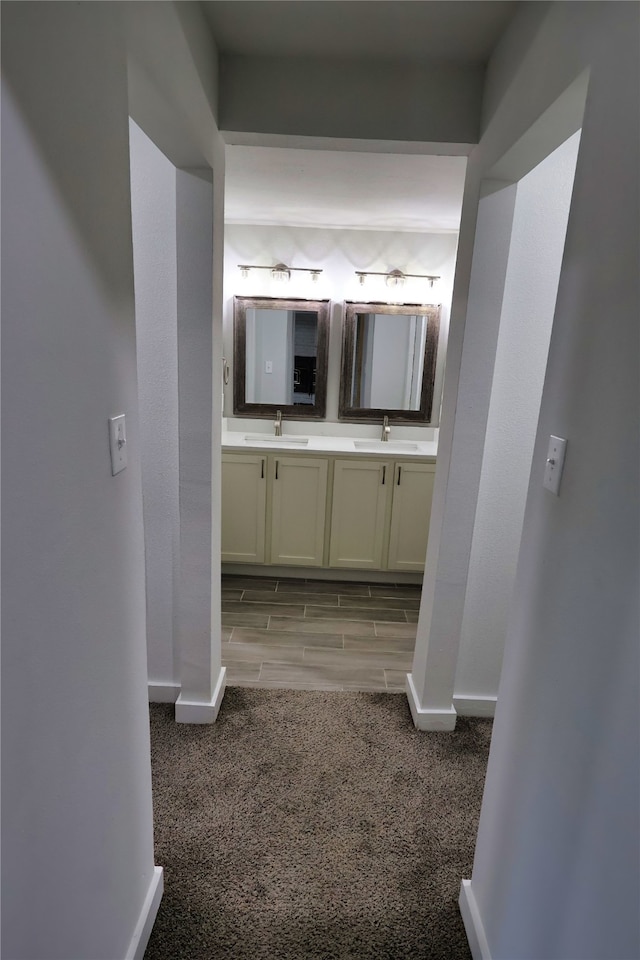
[
  {"x": 266, "y": 440},
  {"x": 385, "y": 446}
]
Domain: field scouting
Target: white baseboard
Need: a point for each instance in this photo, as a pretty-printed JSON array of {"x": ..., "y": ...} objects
[
  {"x": 199, "y": 711},
  {"x": 472, "y": 923},
  {"x": 434, "y": 720},
  {"x": 163, "y": 692},
  {"x": 147, "y": 917},
  {"x": 475, "y": 706}
]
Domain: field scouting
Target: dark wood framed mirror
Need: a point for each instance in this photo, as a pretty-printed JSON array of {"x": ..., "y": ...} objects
[
  {"x": 280, "y": 352},
  {"x": 389, "y": 356}
]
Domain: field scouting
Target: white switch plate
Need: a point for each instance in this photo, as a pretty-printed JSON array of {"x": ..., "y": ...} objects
[
  {"x": 554, "y": 464},
  {"x": 117, "y": 444},
  {"x": 268, "y": 366}
]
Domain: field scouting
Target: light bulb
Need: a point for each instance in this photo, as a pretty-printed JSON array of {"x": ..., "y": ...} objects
[
  {"x": 395, "y": 278},
  {"x": 280, "y": 272}
]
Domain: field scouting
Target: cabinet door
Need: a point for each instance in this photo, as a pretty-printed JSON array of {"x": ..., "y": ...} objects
[
  {"x": 298, "y": 509},
  {"x": 360, "y": 490},
  {"x": 244, "y": 499},
  {"x": 410, "y": 514}
]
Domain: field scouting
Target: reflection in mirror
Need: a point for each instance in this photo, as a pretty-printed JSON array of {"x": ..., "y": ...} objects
[
  {"x": 280, "y": 357},
  {"x": 388, "y": 361}
]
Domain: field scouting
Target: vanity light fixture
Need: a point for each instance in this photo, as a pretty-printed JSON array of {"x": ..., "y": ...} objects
[
  {"x": 280, "y": 271},
  {"x": 395, "y": 278}
]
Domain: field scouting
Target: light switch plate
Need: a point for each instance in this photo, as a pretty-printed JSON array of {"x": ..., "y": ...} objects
[
  {"x": 117, "y": 443},
  {"x": 554, "y": 464},
  {"x": 268, "y": 366}
]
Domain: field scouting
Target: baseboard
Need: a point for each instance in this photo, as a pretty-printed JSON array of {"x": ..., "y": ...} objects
[
  {"x": 434, "y": 720},
  {"x": 472, "y": 923},
  {"x": 475, "y": 706},
  {"x": 147, "y": 917},
  {"x": 163, "y": 692},
  {"x": 199, "y": 711}
]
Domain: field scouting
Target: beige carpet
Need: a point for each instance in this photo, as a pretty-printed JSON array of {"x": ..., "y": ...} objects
[{"x": 313, "y": 825}]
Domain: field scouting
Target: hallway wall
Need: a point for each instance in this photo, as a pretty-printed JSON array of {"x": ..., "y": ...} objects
[
  {"x": 531, "y": 283},
  {"x": 562, "y": 795},
  {"x": 344, "y": 97},
  {"x": 77, "y": 840},
  {"x": 153, "y": 212},
  {"x": 78, "y": 877}
]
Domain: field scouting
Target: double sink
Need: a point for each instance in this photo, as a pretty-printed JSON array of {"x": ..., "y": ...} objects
[{"x": 362, "y": 446}]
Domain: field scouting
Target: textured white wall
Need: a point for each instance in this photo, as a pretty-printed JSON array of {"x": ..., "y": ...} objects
[
  {"x": 535, "y": 256},
  {"x": 77, "y": 840},
  {"x": 559, "y": 822},
  {"x": 153, "y": 211},
  {"x": 339, "y": 253}
]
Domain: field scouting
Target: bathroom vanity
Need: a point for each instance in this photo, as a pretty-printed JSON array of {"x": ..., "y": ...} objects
[
  {"x": 292, "y": 502},
  {"x": 336, "y": 503}
]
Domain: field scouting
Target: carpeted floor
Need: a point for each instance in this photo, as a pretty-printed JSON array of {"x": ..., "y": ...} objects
[{"x": 313, "y": 825}]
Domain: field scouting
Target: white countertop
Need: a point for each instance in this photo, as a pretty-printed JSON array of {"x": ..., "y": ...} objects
[{"x": 393, "y": 449}]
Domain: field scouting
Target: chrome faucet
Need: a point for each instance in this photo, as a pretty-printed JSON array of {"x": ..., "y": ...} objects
[
  {"x": 278, "y": 423},
  {"x": 386, "y": 429}
]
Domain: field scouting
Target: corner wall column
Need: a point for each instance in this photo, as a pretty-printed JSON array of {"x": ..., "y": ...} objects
[
  {"x": 467, "y": 391},
  {"x": 201, "y": 673}
]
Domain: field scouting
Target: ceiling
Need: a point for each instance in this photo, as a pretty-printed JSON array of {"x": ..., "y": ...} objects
[
  {"x": 459, "y": 31},
  {"x": 329, "y": 188}
]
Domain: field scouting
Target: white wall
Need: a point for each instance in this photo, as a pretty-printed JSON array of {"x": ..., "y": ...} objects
[
  {"x": 322, "y": 97},
  {"x": 77, "y": 841},
  {"x": 339, "y": 253},
  {"x": 199, "y": 628},
  {"x": 471, "y": 351},
  {"x": 153, "y": 210},
  {"x": 556, "y": 871},
  {"x": 173, "y": 79},
  {"x": 172, "y": 72},
  {"x": 535, "y": 255}
]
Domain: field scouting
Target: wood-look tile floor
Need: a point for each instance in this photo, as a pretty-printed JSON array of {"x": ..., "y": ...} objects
[{"x": 318, "y": 635}]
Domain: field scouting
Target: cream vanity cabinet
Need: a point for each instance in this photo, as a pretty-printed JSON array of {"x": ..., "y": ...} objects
[
  {"x": 298, "y": 506},
  {"x": 312, "y": 511},
  {"x": 410, "y": 515},
  {"x": 244, "y": 507},
  {"x": 380, "y": 514},
  {"x": 358, "y": 513},
  {"x": 273, "y": 509}
]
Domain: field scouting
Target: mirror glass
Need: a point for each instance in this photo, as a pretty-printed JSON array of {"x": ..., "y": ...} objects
[
  {"x": 280, "y": 357},
  {"x": 388, "y": 361}
]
